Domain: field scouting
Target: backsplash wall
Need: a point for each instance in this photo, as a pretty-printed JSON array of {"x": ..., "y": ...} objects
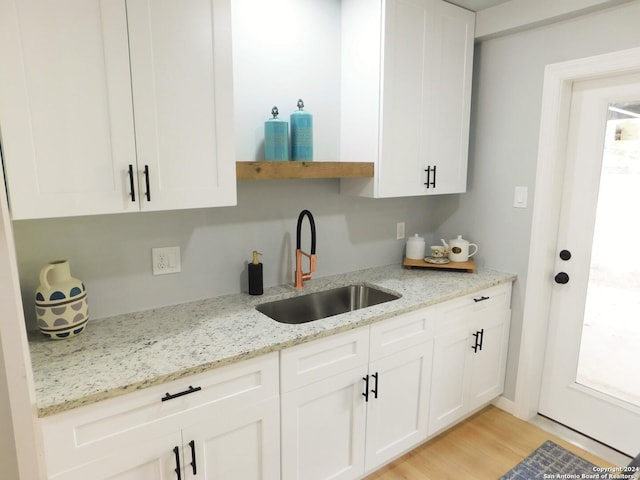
[{"x": 112, "y": 253}]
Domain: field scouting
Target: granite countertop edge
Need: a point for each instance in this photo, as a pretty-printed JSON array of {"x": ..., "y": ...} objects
[{"x": 129, "y": 352}]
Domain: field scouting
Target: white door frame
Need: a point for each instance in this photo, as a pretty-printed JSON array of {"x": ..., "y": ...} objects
[{"x": 556, "y": 99}]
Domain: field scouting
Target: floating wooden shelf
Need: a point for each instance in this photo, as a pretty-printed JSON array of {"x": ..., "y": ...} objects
[{"x": 292, "y": 170}]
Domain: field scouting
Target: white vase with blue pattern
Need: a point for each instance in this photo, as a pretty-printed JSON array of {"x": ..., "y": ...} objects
[{"x": 62, "y": 309}]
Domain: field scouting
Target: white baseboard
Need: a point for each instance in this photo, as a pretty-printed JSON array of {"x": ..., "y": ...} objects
[{"x": 504, "y": 404}]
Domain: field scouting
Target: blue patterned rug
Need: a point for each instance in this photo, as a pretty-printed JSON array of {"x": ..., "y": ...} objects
[{"x": 551, "y": 461}]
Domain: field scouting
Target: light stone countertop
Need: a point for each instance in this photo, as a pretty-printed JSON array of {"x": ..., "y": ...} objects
[{"x": 124, "y": 353}]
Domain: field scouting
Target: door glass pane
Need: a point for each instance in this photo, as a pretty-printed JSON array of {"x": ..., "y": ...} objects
[{"x": 610, "y": 349}]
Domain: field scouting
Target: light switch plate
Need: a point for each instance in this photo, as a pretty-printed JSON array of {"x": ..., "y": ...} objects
[
  {"x": 520, "y": 197},
  {"x": 165, "y": 260}
]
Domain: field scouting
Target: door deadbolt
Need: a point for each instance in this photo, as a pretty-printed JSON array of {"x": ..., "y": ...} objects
[{"x": 565, "y": 254}]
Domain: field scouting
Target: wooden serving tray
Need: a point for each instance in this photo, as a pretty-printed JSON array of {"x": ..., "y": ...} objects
[{"x": 468, "y": 266}]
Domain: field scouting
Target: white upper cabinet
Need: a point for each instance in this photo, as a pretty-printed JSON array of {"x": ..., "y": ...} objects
[
  {"x": 107, "y": 107},
  {"x": 406, "y": 94}
]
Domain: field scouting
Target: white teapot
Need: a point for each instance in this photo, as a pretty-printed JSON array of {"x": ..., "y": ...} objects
[{"x": 459, "y": 249}]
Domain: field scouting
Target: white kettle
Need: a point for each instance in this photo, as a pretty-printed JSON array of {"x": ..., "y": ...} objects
[{"x": 459, "y": 249}]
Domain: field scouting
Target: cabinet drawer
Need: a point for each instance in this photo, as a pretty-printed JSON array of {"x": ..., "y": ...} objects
[
  {"x": 320, "y": 359},
  {"x": 399, "y": 333},
  {"x": 78, "y": 436},
  {"x": 456, "y": 312}
]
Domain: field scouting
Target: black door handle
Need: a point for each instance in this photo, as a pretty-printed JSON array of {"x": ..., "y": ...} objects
[
  {"x": 431, "y": 180},
  {"x": 146, "y": 180},
  {"x": 374, "y": 390},
  {"x": 131, "y": 184},
  {"x": 561, "y": 278},
  {"x": 178, "y": 470},
  {"x": 192, "y": 444},
  {"x": 366, "y": 388}
]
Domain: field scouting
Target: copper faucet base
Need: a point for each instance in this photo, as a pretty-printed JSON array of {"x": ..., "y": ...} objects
[{"x": 302, "y": 277}]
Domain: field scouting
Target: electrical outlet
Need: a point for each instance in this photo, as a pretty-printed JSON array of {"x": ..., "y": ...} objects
[
  {"x": 399, "y": 230},
  {"x": 165, "y": 260}
]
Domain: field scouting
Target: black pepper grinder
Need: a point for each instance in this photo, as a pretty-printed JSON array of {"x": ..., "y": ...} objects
[{"x": 255, "y": 275}]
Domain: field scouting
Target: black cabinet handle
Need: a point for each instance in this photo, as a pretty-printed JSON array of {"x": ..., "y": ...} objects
[
  {"x": 192, "y": 444},
  {"x": 481, "y": 299},
  {"x": 132, "y": 194},
  {"x": 431, "y": 177},
  {"x": 374, "y": 390},
  {"x": 366, "y": 388},
  {"x": 561, "y": 278},
  {"x": 479, "y": 336},
  {"x": 178, "y": 470},
  {"x": 191, "y": 389},
  {"x": 146, "y": 179}
]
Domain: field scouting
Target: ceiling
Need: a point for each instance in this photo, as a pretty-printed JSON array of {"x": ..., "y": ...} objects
[{"x": 476, "y": 5}]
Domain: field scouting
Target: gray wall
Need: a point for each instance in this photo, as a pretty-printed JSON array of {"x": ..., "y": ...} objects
[
  {"x": 508, "y": 77},
  {"x": 112, "y": 253}
]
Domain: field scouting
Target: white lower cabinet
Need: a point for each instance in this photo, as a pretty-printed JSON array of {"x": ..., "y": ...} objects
[
  {"x": 469, "y": 358},
  {"x": 334, "y": 408},
  {"x": 218, "y": 425},
  {"x": 341, "y": 425}
]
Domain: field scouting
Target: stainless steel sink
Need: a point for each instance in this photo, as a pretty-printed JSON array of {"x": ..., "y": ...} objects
[{"x": 315, "y": 306}]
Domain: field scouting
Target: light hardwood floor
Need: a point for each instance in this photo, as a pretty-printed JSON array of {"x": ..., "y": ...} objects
[{"x": 484, "y": 447}]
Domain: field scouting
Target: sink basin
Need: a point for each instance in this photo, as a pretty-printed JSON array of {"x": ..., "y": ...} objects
[{"x": 315, "y": 306}]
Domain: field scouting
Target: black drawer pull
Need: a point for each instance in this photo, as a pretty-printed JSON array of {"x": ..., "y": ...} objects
[
  {"x": 481, "y": 299},
  {"x": 191, "y": 389}
]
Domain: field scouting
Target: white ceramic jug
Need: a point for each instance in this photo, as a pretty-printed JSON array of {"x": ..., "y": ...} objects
[
  {"x": 61, "y": 302},
  {"x": 460, "y": 249}
]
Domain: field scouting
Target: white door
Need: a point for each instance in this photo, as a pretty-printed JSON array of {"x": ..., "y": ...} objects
[{"x": 592, "y": 362}]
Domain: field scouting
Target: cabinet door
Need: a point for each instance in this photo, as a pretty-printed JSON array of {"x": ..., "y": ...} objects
[
  {"x": 398, "y": 403},
  {"x": 148, "y": 458},
  {"x": 422, "y": 50},
  {"x": 450, "y": 378},
  {"x": 489, "y": 363},
  {"x": 181, "y": 72},
  {"x": 323, "y": 429},
  {"x": 449, "y": 74},
  {"x": 242, "y": 443},
  {"x": 406, "y": 97},
  {"x": 65, "y": 107},
  {"x": 428, "y": 51}
]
